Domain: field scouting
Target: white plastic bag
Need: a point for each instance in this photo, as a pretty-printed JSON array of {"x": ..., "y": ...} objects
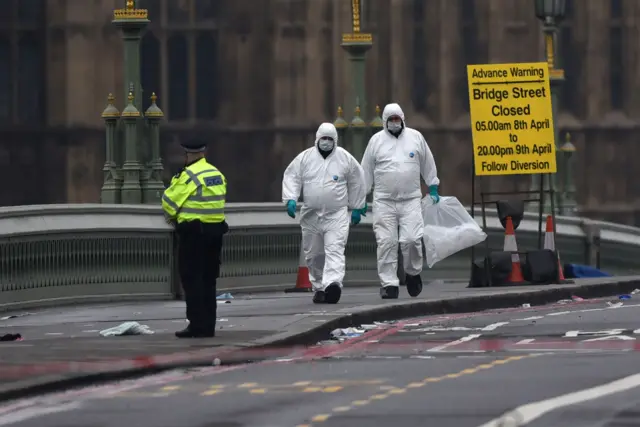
[{"x": 448, "y": 228}]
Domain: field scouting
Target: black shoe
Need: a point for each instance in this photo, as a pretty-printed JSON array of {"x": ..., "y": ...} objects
[
  {"x": 332, "y": 293},
  {"x": 188, "y": 332},
  {"x": 389, "y": 292},
  {"x": 319, "y": 297},
  {"x": 414, "y": 285}
]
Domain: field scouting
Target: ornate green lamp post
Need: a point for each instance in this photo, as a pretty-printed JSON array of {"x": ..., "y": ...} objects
[
  {"x": 137, "y": 180},
  {"x": 551, "y": 13},
  {"x": 356, "y": 132}
]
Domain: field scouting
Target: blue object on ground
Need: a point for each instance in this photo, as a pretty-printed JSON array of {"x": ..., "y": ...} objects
[
  {"x": 577, "y": 271},
  {"x": 225, "y": 296}
]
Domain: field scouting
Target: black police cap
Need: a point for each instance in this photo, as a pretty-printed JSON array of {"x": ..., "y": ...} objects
[{"x": 194, "y": 146}]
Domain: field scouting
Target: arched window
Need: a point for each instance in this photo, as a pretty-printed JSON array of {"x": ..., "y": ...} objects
[
  {"x": 473, "y": 51},
  {"x": 419, "y": 86},
  {"x": 571, "y": 61},
  {"x": 178, "y": 65},
  {"x": 616, "y": 55},
  {"x": 22, "y": 62},
  {"x": 206, "y": 52},
  {"x": 179, "y": 57}
]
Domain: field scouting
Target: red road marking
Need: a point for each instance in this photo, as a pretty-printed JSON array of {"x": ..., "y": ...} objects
[{"x": 304, "y": 353}]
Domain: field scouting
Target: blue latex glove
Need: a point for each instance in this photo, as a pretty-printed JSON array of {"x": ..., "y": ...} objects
[
  {"x": 355, "y": 217},
  {"x": 291, "y": 208},
  {"x": 363, "y": 211},
  {"x": 433, "y": 192}
]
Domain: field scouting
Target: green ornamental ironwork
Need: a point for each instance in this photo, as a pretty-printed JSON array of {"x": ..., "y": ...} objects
[{"x": 133, "y": 166}]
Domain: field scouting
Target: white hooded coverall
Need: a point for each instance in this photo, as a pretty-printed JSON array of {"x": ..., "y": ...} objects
[
  {"x": 393, "y": 167},
  {"x": 331, "y": 187}
]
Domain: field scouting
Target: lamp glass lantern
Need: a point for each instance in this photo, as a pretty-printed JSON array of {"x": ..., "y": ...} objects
[{"x": 551, "y": 9}]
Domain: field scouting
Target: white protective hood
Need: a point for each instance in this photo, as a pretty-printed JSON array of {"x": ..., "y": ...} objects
[
  {"x": 392, "y": 110},
  {"x": 327, "y": 129}
]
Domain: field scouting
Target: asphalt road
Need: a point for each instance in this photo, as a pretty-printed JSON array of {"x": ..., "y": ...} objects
[{"x": 457, "y": 370}]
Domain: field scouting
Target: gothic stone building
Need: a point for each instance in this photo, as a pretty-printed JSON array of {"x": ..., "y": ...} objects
[{"x": 256, "y": 77}]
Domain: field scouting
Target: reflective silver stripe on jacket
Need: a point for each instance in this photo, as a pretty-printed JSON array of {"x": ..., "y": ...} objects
[
  {"x": 194, "y": 176},
  {"x": 198, "y": 197},
  {"x": 202, "y": 211},
  {"x": 170, "y": 202},
  {"x": 195, "y": 210}
]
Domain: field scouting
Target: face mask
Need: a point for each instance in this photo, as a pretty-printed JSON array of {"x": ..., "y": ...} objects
[
  {"x": 325, "y": 145},
  {"x": 394, "y": 127}
]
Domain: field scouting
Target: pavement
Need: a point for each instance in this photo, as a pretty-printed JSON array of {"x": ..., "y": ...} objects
[
  {"x": 62, "y": 346},
  {"x": 418, "y": 371}
]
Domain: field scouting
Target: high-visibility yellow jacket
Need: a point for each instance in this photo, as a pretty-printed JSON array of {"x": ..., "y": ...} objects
[{"x": 197, "y": 193}]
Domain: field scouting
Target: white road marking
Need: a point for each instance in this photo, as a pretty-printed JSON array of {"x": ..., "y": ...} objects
[
  {"x": 440, "y": 329},
  {"x": 54, "y": 333},
  {"x": 384, "y": 357},
  {"x": 525, "y": 414},
  {"x": 454, "y": 343},
  {"x": 611, "y": 337},
  {"x": 586, "y": 310},
  {"x": 573, "y": 334},
  {"x": 36, "y": 412},
  {"x": 494, "y": 326},
  {"x": 561, "y": 313}
]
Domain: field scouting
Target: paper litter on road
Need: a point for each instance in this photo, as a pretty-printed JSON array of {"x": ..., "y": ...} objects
[
  {"x": 614, "y": 304},
  {"x": 127, "y": 328},
  {"x": 526, "y": 305},
  {"x": 225, "y": 296},
  {"x": 347, "y": 332},
  {"x": 635, "y": 291}
]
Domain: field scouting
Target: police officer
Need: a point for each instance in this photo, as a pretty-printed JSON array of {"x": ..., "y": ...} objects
[{"x": 194, "y": 203}]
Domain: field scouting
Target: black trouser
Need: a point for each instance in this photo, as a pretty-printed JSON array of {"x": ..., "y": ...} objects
[{"x": 199, "y": 266}]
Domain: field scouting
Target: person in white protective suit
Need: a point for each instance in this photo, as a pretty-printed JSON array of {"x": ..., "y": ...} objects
[
  {"x": 332, "y": 183},
  {"x": 393, "y": 162}
]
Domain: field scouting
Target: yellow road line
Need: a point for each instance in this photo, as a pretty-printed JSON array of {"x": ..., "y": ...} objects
[{"x": 390, "y": 390}]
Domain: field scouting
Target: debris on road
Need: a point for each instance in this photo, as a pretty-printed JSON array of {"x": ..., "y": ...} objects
[
  {"x": 574, "y": 298},
  {"x": 346, "y": 333},
  {"x": 635, "y": 291},
  {"x": 127, "y": 328},
  {"x": 224, "y": 298},
  {"x": 624, "y": 297},
  {"x": 343, "y": 334},
  {"x": 13, "y": 316},
  {"x": 614, "y": 304},
  {"x": 11, "y": 337}
]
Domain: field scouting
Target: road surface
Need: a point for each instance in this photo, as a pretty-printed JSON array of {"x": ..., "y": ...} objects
[{"x": 573, "y": 364}]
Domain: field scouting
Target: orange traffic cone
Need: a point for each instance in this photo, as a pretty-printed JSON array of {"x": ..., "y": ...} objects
[
  {"x": 550, "y": 243},
  {"x": 303, "y": 284},
  {"x": 510, "y": 245}
]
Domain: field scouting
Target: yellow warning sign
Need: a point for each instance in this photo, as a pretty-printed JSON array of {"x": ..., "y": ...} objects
[{"x": 511, "y": 119}]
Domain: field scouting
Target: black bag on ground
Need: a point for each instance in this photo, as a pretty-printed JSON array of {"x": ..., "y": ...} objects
[
  {"x": 500, "y": 268},
  {"x": 541, "y": 267}
]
